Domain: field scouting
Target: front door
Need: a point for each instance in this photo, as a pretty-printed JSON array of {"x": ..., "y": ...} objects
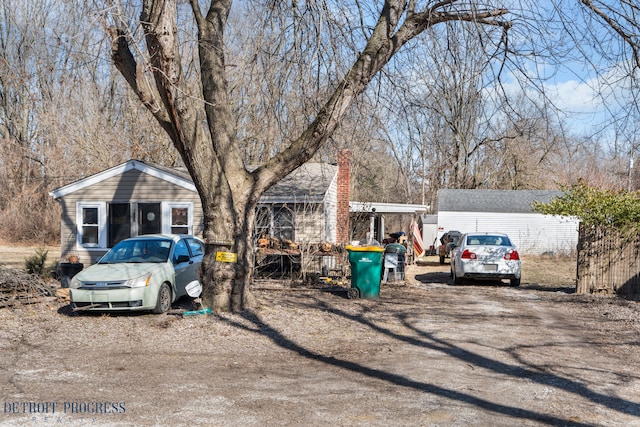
[
  {"x": 119, "y": 223},
  {"x": 149, "y": 218}
]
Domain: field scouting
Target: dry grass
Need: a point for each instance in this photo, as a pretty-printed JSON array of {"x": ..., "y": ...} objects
[
  {"x": 557, "y": 271},
  {"x": 537, "y": 271},
  {"x": 13, "y": 255}
]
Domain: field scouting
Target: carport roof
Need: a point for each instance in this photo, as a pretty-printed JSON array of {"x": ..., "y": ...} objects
[{"x": 506, "y": 201}]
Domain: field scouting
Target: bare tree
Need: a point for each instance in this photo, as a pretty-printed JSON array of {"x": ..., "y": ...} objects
[
  {"x": 64, "y": 113},
  {"x": 229, "y": 192}
]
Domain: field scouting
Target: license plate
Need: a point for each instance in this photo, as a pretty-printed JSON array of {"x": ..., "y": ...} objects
[{"x": 490, "y": 267}]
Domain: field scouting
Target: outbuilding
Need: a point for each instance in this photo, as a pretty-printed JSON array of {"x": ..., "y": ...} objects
[{"x": 510, "y": 212}]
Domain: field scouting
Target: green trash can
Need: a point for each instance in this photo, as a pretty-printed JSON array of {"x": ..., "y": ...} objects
[{"x": 366, "y": 270}]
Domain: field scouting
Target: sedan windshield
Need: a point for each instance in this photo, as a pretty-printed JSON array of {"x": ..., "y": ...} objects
[
  {"x": 136, "y": 251},
  {"x": 488, "y": 240}
]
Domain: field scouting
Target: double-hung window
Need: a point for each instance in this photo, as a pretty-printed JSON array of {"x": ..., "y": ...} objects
[
  {"x": 177, "y": 218},
  {"x": 91, "y": 223}
]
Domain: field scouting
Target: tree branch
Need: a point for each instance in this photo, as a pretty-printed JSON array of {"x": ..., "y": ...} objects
[
  {"x": 628, "y": 38},
  {"x": 126, "y": 63}
]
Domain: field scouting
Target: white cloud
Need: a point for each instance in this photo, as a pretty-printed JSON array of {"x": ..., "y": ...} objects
[{"x": 573, "y": 96}]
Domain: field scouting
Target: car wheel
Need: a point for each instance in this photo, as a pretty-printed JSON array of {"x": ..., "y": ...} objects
[
  {"x": 163, "y": 304},
  {"x": 456, "y": 280},
  {"x": 515, "y": 282}
]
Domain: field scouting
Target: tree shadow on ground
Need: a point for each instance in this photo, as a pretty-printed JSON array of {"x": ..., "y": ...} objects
[
  {"x": 547, "y": 288},
  {"x": 429, "y": 341},
  {"x": 441, "y": 278},
  {"x": 435, "y": 277}
]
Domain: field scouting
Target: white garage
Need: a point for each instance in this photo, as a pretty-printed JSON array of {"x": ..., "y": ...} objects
[{"x": 508, "y": 211}]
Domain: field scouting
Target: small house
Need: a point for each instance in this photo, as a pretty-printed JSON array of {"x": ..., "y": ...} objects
[{"x": 136, "y": 197}]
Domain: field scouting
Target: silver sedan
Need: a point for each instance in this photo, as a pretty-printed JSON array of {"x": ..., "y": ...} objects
[{"x": 487, "y": 256}]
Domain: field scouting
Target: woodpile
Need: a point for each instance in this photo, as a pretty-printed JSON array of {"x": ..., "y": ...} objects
[
  {"x": 271, "y": 245},
  {"x": 268, "y": 244},
  {"x": 19, "y": 287}
]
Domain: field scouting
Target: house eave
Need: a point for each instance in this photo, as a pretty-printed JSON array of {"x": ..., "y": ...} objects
[
  {"x": 265, "y": 200},
  {"x": 118, "y": 170}
]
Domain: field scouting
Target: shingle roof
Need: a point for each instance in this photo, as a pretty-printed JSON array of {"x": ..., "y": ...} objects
[
  {"x": 508, "y": 201},
  {"x": 309, "y": 182},
  {"x": 180, "y": 171}
]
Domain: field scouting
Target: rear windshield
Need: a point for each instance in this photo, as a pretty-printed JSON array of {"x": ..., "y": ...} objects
[{"x": 488, "y": 240}]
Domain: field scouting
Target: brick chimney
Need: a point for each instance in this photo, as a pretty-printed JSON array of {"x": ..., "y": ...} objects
[{"x": 344, "y": 192}]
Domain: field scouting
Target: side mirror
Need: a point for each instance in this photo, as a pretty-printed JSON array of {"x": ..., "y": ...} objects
[{"x": 182, "y": 258}]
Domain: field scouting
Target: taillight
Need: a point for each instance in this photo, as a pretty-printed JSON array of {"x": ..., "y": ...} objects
[
  {"x": 467, "y": 254},
  {"x": 513, "y": 256}
]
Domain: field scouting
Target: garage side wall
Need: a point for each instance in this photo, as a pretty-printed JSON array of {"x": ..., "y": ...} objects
[
  {"x": 310, "y": 223},
  {"x": 533, "y": 234}
]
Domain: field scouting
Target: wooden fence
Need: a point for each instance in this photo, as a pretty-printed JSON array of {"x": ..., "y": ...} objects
[{"x": 608, "y": 262}]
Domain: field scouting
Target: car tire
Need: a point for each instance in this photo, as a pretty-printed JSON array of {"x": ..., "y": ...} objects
[
  {"x": 456, "y": 280},
  {"x": 515, "y": 282},
  {"x": 163, "y": 303}
]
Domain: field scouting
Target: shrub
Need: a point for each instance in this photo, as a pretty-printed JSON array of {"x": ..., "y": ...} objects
[
  {"x": 36, "y": 264},
  {"x": 596, "y": 207}
]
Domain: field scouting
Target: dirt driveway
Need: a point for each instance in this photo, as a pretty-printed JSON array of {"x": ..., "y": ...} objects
[{"x": 425, "y": 353}]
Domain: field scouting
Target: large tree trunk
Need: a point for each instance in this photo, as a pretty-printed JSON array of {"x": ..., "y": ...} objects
[{"x": 227, "y": 267}]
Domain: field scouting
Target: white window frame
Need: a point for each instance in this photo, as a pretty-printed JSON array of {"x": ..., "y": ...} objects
[
  {"x": 102, "y": 224},
  {"x": 166, "y": 215}
]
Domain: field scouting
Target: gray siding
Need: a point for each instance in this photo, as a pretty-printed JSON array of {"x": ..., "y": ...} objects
[
  {"x": 309, "y": 223},
  {"x": 331, "y": 212},
  {"x": 130, "y": 187},
  {"x": 134, "y": 185}
]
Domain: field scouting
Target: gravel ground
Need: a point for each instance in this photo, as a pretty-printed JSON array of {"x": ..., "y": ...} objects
[{"x": 426, "y": 353}]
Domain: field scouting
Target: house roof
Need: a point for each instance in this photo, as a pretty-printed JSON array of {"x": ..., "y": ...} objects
[
  {"x": 307, "y": 183},
  {"x": 506, "y": 201},
  {"x": 177, "y": 176}
]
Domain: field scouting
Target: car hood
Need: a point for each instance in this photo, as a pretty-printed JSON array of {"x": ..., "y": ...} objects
[{"x": 113, "y": 272}]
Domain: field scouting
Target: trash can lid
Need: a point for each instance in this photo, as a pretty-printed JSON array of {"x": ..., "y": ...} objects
[
  {"x": 395, "y": 248},
  {"x": 364, "y": 248}
]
